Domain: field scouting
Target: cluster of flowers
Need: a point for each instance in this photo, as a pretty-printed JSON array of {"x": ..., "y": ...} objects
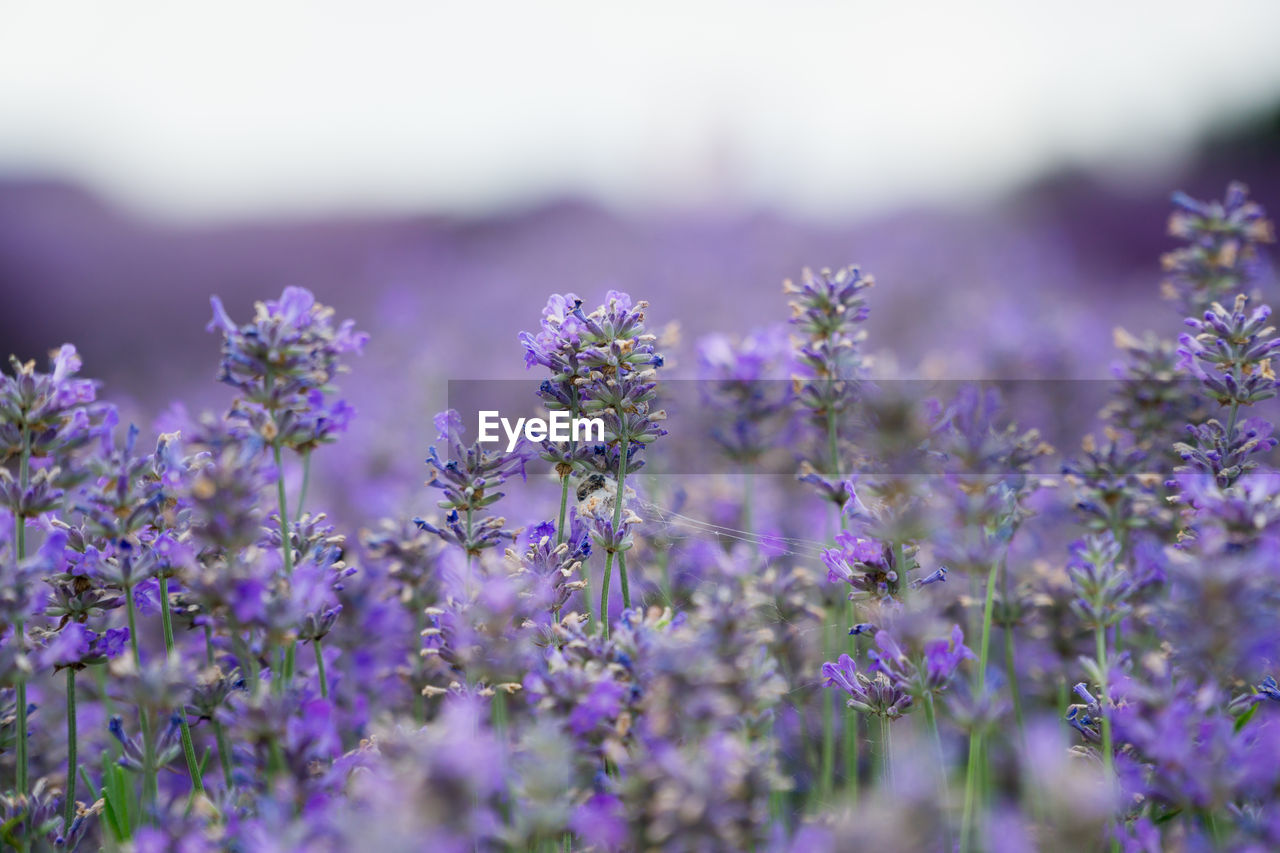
[{"x": 880, "y": 653}]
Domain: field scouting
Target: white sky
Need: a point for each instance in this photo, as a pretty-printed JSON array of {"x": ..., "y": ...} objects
[{"x": 212, "y": 110}]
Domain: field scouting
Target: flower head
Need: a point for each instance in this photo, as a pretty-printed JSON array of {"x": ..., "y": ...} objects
[
  {"x": 1220, "y": 258},
  {"x": 283, "y": 363}
]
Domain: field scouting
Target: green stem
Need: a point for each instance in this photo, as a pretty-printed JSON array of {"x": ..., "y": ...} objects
[
  {"x": 970, "y": 784},
  {"x": 931, "y": 719},
  {"x": 219, "y": 733},
  {"x": 564, "y": 481},
  {"x": 108, "y": 707},
  {"x": 617, "y": 520},
  {"x": 851, "y": 720},
  {"x": 1010, "y": 660},
  {"x": 833, "y": 443},
  {"x": 69, "y": 811},
  {"x": 471, "y": 555},
  {"x": 275, "y": 760},
  {"x": 19, "y": 628},
  {"x": 1214, "y": 832},
  {"x": 622, "y": 578},
  {"x": 886, "y": 752},
  {"x": 149, "y": 769},
  {"x": 306, "y": 484},
  {"x": 250, "y": 661},
  {"x": 1100, "y": 641},
  {"x": 830, "y": 651},
  {"x": 828, "y": 747},
  {"x": 499, "y": 713},
  {"x": 286, "y": 552},
  {"x": 133, "y": 625},
  {"x": 604, "y": 592},
  {"x": 471, "y": 514},
  {"x": 851, "y": 747},
  {"x": 564, "y": 506},
  {"x": 988, "y": 608},
  {"x": 287, "y": 660},
  {"x": 324, "y": 681},
  {"x": 827, "y": 778},
  {"x": 224, "y": 753},
  {"x": 975, "y": 737},
  {"x": 286, "y": 546},
  {"x": 20, "y": 689},
  {"x": 188, "y": 747},
  {"x": 608, "y": 559}
]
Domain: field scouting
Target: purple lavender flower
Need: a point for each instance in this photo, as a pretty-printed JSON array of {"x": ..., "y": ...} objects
[
  {"x": 558, "y": 345},
  {"x": 1114, "y": 489},
  {"x": 943, "y": 657},
  {"x": 1187, "y": 749},
  {"x": 605, "y": 366},
  {"x": 463, "y": 701},
  {"x": 21, "y": 600},
  {"x": 828, "y": 309},
  {"x": 589, "y": 683},
  {"x": 77, "y": 646},
  {"x": 738, "y": 382},
  {"x": 136, "y": 756},
  {"x": 557, "y": 567},
  {"x": 439, "y": 785},
  {"x": 707, "y": 795},
  {"x": 49, "y": 414},
  {"x": 32, "y": 820},
  {"x": 1151, "y": 401},
  {"x": 621, "y": 362},
  {"x": 1220, "y": 604},
  {"x": 930, "y": 672},
  {"x": 283, "y": 363},
  {"x": 1220, "y": 258},
  {"x": 468, "y": 480},
  {"x": 290, "y": 347},
  {"x": 601, "y": 821},
  {"x": 876, "y": 694},
  {"x": 1102, "y": 587},
  {"x": 48, "y": 422},
  {"x": 865, "y": 564},
  {"x": 223, "y": 483},
  {"x": 1231, "y": 351}
]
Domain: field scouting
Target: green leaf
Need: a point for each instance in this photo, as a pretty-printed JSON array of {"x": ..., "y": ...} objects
[
  {"x": 88, "y": 781},
  {"x": 115, "y": 796},
  {"x": 1243, "y": 719}
]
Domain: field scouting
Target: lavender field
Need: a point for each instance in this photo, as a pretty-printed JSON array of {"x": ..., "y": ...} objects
[
  {"x": 923, "y": 487},
  {"x": 826, "y": 602}
]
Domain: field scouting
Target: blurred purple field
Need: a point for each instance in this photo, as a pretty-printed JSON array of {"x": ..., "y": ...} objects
[{"x": 1015, "y": 290}]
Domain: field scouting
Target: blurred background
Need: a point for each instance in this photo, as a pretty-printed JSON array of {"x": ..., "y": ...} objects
[{"x": 435, "y": 170}]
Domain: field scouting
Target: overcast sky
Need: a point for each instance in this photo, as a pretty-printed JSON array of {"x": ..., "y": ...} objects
[{"x": 216, "y": 110}]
